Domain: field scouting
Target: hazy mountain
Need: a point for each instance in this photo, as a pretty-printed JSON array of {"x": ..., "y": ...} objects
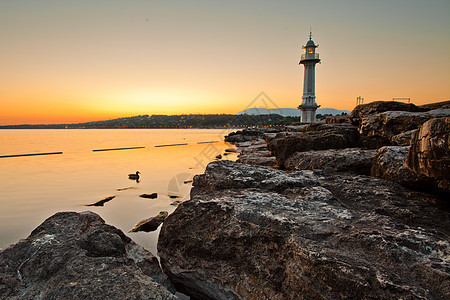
[{"x": 289, "y": 112}]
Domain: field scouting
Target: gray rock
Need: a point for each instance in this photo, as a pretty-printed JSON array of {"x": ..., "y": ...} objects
[
  {"x": 243, "y": 135},
  {"x": 335, "y": 160},
  {"x": 364, "y": 110},
  {"x": 388, "y": 164},
  {"x": 77, "y": 256},
  {"x": 316, "y": 137},
  {"x": 259, "y": 233},
  {"x": 403, "y": 139},
  {"x": 260, "y": 159},
  {"x": 429, "y": 153},
  {"x": 388, "y": 124}
]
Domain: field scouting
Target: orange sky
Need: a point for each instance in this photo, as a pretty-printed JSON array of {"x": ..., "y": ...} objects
[{"x": 74, "y": 61}]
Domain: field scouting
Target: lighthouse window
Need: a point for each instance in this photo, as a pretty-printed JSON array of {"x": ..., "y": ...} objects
[{"x": 310, "y": 50}]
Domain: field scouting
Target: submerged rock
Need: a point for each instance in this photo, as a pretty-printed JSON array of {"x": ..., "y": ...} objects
[
  {"x": 77, "y": 256},
  {"x": 149, "y": 196},
  {"x": 261, "y": 233},
  {"x": 150, "y": 224},
  {"x": 102, "y": 202}
]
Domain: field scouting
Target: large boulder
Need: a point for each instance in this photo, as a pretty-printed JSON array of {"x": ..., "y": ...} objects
[
  {"x": 364, "y": 110},
  {"x": 260, "y": 233},
  {"x": 77, "y": 256},
  {"x": 387, "y": 125},
  {"x": 429, "y": 153},
  {"x": 316, "y": 137},
  {"x": 388, "y": 164},
  {"x": 335, "y": 160}
]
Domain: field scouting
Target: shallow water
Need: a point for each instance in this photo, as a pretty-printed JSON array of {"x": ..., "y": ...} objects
[{"x": 32, "y": 188}]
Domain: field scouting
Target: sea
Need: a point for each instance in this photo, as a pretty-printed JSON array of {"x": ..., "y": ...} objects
[{"x": 32, "y": 188}]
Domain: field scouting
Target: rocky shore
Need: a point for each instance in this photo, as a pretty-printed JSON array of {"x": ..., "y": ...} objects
[
  {"x": 355, "y": 208},
  {"x": 344, "y": 210}
]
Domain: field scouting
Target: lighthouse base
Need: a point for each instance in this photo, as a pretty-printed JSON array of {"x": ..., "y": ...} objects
[{"x": 308, "y": 115}]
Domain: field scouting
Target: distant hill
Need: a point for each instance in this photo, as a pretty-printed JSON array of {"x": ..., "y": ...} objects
[
  {"x": 289, "y": 112},
  {"x": 174, "y": 121}
]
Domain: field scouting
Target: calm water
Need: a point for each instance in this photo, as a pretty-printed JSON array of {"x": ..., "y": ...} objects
[{"x": 33, "y": 188}]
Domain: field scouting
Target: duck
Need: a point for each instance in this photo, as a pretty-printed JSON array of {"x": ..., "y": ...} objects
[{"x": 134, "y": 176}]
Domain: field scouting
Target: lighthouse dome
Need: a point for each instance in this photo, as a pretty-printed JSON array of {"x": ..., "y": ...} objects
[{"x": 310, "y": 43}]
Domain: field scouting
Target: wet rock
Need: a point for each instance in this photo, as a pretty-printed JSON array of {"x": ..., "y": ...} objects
[
  {"x": 353, "y": 160},
  {"x": 316, "y": 137},
  {"x": 364, "y": 110},
  {"x": 219, "y": 156},
  {"x": 176, "y": 202},
  {"x": 260, "y": 233},
  {"x": 77, "y": 256},
  {"x": 102, "y": 202},
  {"x": 150, "y": 224},
  {"x": 149, "y": 196},
  {"x": 429, "y": 153}
]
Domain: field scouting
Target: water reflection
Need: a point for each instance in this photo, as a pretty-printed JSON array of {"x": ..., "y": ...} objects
[{"x": 34, "y": 188}]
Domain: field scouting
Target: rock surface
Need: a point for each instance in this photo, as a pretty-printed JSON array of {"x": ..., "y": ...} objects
[
  {"x": 150, "y": 224},
  {"x": 243, "y": 136},
  {"x": 77, "y": 256},
  {"x": 386, "y": 125},
  {"x": 316, "y": 137},
  {"x": 388, "y": 164},
  {"x": 260, "y": 233},
  {"x": 429, "y": 153},
  {"x": 364, "y": 110},
  {"x": 353, "y": 160}
]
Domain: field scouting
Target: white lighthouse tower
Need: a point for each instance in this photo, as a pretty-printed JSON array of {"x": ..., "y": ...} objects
[{"x": 309, "y": 60}]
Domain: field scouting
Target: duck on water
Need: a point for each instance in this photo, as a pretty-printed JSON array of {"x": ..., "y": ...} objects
[{"x": 134, "y": 176}]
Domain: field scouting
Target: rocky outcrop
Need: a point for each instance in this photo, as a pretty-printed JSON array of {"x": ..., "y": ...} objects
[
  {"x": 385, "y": 126},
  {"x": 316, "y": 137},
  {"x": 429, "y": 153},
  {"x": 364, "y": 110},
  {"x": 353, "y": 160},
  {"x": 388, "y": 164},
  {"x": 261, "y": 233},
  {"x": 436, "y": 105},
  {"x": 244, "y": 135},
  {"x": 77, "y": 256}
]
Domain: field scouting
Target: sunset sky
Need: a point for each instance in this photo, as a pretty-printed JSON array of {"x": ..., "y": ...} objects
[{"x": 84, "y": 60}]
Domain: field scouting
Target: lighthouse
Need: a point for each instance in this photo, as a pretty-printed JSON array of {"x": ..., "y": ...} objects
[{"x": 309, "y": 59}]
